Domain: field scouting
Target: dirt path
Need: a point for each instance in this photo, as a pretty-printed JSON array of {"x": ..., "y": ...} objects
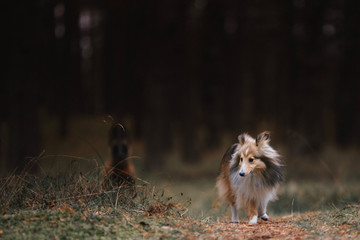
[
  {"x": 337, "y": 224},
  {"x": 277, "y": 228}
]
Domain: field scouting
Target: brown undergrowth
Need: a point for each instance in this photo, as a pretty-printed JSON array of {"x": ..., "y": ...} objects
[{"x": 89, "y": 191}]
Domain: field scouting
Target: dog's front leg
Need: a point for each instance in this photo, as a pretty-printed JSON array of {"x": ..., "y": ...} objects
[
  {"x": 234, "y": 214},
  {"x": 262, "y": 211},
  {"x": 252, "y": 212}
]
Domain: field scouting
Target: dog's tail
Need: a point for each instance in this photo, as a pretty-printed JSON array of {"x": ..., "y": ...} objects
[{"x": 121, "y": 169}]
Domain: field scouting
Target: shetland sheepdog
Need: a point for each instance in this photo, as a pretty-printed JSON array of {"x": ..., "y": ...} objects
[
  {"x": 119, "y": 168},
  {"x": 250, "y": 174}
]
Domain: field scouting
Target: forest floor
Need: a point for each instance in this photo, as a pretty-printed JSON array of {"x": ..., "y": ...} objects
[
  {"x": 78, "y": 207},
  {"x": 65, "y": 222}
]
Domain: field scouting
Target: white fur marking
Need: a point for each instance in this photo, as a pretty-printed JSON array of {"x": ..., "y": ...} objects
[
  {"x": 242, "y": 168},
  {"x": 246, "y": 151},
  {"x": 253, "y": 220}
]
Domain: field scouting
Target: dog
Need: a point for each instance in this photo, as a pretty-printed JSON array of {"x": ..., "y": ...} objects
[
  {"x": 249, "y": 177},
  {"x": 119, "y": 169}
]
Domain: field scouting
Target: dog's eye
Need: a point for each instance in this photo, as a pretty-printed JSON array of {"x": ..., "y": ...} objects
[
  {"x": 251, "y": 159},
  {"x": 240, "y": 159}
]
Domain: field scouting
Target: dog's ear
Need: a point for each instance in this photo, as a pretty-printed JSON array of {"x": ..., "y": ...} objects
[
  {"x": 243, "y": 138},
  {"x": 262, "y": 138}
]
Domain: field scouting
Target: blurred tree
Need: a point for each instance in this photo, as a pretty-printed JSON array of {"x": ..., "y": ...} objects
[
  {"x": 154, "y": 125},
  {"x": 198, "y": 68},
  {"x": 348, "y": 84},
  {"x": 22, "y": 78},
  {"x": 66, "y": 66}
]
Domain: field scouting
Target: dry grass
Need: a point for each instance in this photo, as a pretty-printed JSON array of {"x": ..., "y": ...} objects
[
  {"x": 77, "y": 205},
  {"x": 81, "y": 191}
]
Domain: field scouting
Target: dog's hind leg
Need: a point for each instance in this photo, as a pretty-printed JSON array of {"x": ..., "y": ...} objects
[{"x": 234, "y": 214}]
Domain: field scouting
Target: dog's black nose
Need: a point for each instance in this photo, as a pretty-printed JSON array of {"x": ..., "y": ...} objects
[{"x": 242, "y": 174}]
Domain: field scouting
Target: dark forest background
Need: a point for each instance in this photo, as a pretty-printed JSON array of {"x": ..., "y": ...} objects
[{"x": 190, "y": 70}]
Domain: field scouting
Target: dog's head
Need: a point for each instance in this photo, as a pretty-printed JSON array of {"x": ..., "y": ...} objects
[{"x": 251, "y": 153}]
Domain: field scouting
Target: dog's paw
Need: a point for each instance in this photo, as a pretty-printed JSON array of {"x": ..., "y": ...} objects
[
  {"x": 265, "y": 217},
  {"x": 253, "y": 220}
]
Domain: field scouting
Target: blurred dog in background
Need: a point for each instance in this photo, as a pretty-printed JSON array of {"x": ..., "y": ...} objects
[{"x": 119, "y": 168}]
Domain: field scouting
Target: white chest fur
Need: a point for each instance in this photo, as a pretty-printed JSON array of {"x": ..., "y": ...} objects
[{"x": 252, "y": 188}]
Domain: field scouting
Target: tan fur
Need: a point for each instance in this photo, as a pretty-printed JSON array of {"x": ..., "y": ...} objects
[
  {"x": 252, "y": 211},
  {"x": 223, "y": 181},
  {"x": 110, "y": 169}
]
